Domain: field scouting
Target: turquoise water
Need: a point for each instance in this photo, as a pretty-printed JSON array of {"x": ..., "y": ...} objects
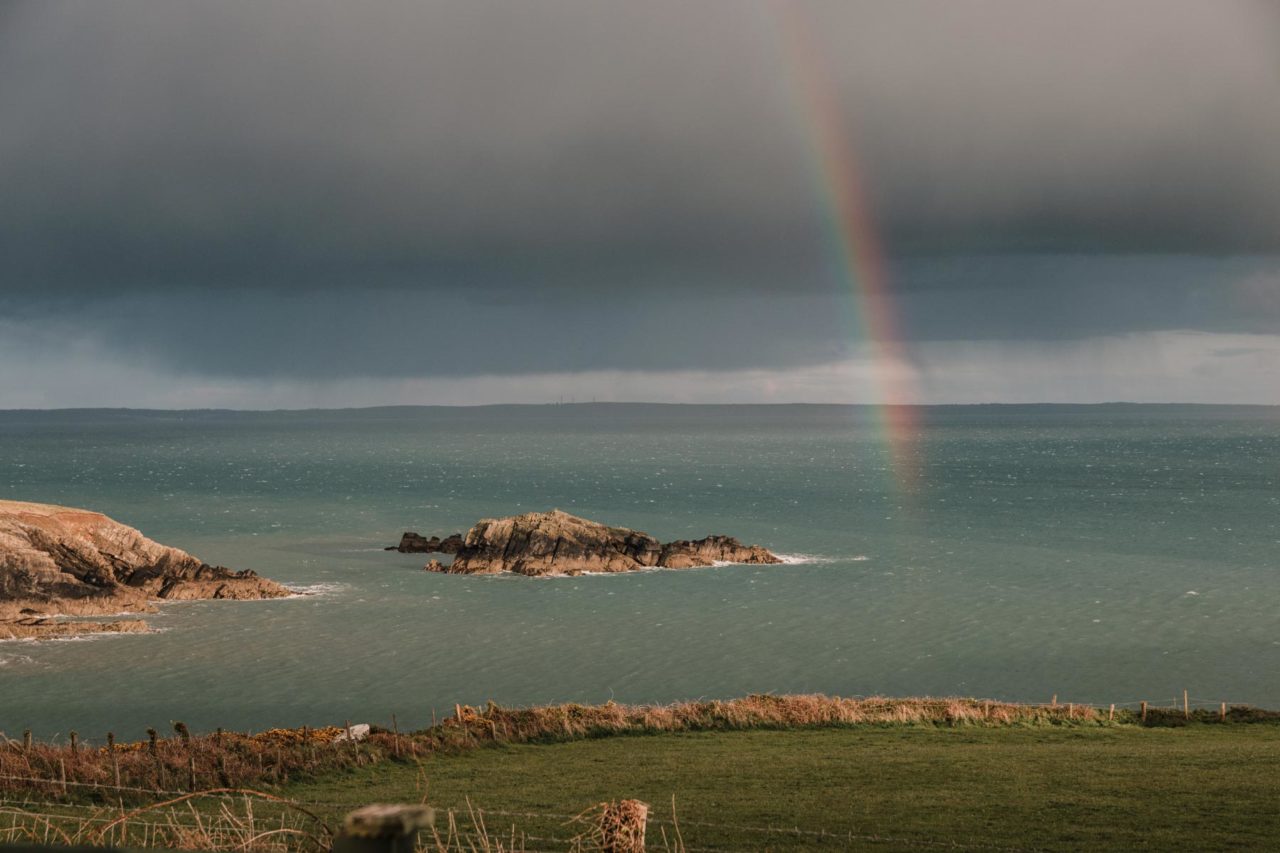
[{"x": 1103, "y": 554}]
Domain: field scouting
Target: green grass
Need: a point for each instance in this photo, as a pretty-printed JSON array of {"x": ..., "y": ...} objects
[{"x": 1063, "y": 788}]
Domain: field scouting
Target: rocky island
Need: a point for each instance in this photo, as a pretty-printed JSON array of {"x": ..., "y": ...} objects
[
  {"x": 557, "y": 543},
  {"x": 416, "y": 543},
  {"x": 56, "y": 561}
]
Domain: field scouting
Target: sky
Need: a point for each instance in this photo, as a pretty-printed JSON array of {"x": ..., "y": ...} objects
[{"x": 296, "y": 204}]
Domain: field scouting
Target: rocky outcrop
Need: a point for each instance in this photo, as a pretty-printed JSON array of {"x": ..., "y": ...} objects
[
  {"x": 557, "y": 543},
  {"x": 72, "y": 562},
  {"x": 44, "y": 628},
  {"x": 687, "y": 554},
  {"x": 415, "y": 543}
]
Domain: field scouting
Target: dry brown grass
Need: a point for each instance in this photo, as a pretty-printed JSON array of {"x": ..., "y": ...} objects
[
  {"x": 235, "y": 825},
  {"x": 149, "y": 769},
  {"x": 142, "y": 770},
  {"x": 566, "y": 722},
  {"x": 613, "y": 827}
]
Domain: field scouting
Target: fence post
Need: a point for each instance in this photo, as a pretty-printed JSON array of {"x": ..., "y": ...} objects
[
  {"x": 383, "y": 829},
  {"x": 1144, "y": 711},
  {"x": 115, "y": 760},
  {"x": 1111, "y": 715},
  {"x": 355, "y": 747},
  {"x": 1186, "y": 707},
  {"x": 162, "y": 781},
  {"x": 26, "y": 740},
  {"x": 1223, "y": 713},
  {"x": 395, "y": 727}
]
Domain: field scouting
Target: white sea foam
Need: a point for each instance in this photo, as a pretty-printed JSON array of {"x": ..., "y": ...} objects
[
  {"x": 300, "y": 590},
  {"x": 807, "y": 559}
]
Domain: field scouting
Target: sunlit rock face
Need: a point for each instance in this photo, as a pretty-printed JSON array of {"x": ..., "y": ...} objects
[
  {"x": 73, "y": 562},
  {"x": 557, "y": 543}
]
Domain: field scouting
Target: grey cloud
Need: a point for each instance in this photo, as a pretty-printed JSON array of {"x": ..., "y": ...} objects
[
  {"x": 611, "y": 146},
  {"x": 347, "y": 333},
  {"x": 404, "y": 334},
  {"x": 320, "y": 191}
]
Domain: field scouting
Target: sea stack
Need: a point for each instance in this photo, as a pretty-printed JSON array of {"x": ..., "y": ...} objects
[
  {"x": 59, "y": 561},
  {"x": 557, "y": 543}
]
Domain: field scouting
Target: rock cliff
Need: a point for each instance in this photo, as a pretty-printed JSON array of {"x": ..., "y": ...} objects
[
  {"x": 416, "y": 543},
  {"x": 557, "y": 543},
  {"x": 72, "y": 562}
]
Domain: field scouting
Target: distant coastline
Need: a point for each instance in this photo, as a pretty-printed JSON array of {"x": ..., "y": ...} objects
[{"x": 621, "y": 404}]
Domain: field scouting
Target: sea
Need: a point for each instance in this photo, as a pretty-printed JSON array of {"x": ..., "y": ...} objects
[{"x": 1096, "y": 554}]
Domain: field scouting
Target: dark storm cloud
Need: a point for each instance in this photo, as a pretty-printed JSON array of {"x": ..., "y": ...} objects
[
  {"x": 475, "y": 142},
  {"x": 557, "y": 185}
]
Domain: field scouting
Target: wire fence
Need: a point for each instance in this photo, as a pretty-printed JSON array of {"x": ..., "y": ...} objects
[
  {"x": 1178, "y": 700},
  {"x": 669, "y": 824},
  {"x": 34, "y": 796}
]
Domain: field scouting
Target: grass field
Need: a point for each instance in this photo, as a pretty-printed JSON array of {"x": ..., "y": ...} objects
[{"x": 1200, "y": 787}]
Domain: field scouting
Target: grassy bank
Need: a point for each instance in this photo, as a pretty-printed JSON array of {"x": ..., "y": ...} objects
[
  {"x": 1199, "y": 787},
  {"x": 760, "y": 772},
  {"x": 185, "y": 762}
]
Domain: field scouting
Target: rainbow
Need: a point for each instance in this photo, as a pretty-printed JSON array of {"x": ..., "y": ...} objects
[{"x": 851, "y": 233}]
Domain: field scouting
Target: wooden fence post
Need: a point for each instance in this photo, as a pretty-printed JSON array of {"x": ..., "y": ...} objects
[
  {"x": 26, "y": 740},
  {"x": 1186, "y": 707},
  {"x": 1111, "y": 715},
  {"x": 1223, "y": 713},
  {"x": 395, "y": 727},
  {"x": 1144, "y": 711},
  {"x": 115, "y": 760},
  {"x": 355, "y": 747}
]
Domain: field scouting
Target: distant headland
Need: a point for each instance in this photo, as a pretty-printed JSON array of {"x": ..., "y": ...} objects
[{"x": 57, "y": 561}]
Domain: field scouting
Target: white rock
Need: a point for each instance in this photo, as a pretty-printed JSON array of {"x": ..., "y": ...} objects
[{"x": 359, "y": 731}]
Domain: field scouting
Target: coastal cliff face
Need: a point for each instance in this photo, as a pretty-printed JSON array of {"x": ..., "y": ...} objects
[
  {"x": 557, "y": 543},
  {"x": 72, "y": 562}
]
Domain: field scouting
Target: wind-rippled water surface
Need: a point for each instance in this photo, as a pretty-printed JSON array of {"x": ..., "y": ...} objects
[{"x": 1103, "y": 554}]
